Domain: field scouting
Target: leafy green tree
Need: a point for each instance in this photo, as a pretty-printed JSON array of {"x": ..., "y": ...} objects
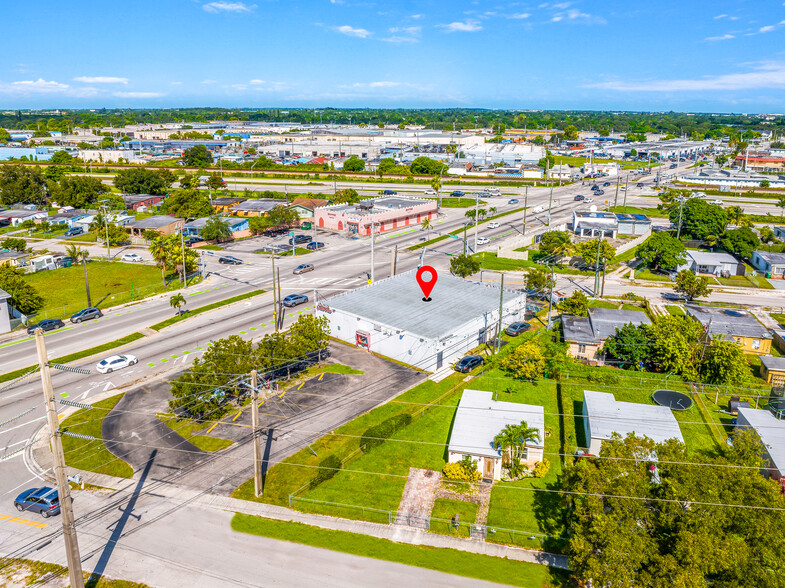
[
  {"x": 629, "y": 345},
  {"x": 215, "y": 181},
  {"x": 14, "y": 244},
  {"x": 570, "y": 133},
  {"x": 22, "y": 184},
  {"x": 215, "y": 229},
  {"x": 725, "y": 363},
  {"x": 189, "y": 181},
  {"x": 78, "y": 191},
  {"x": 80, "y": 255},
  {"x": 662, "y": 250},
  {"x": 539, "y": 279},
  {"x": 61, "y": 157},
  {"x": 699, "y": 218},
  {"x": 764, "y": 184},
  {"x": 5, "y": 136},
  {"x": 353, "y": 164},
  {"x": 691, "y": 285},
  {"x": 160, "y": 254},
  {"x": 549, "y": 160},
  {"x": 197, "y": 156},
  {"x": 140, "y": 180},
  {"x": 780, "y": 204},
  {"x": 766, "y": 234},
  {"x": 556, "y": 243},
  {"x": 187, "y": 204},
  {"x": 24, "y": 297},
  {"x": 577, "y": 304},
  {"x": 310, "y": 333},
  {"x": 425, "y": 166},
  {"x": 741, "y": 241},
  {"x": 587, "y": 251},
  {"x": 525, "y": 362},
  {"x": 176, "y": 301},
  {"x": 464, "y": 265},
  {"x": 675, "y": 345},
  {"x": 346, "y": 196}
]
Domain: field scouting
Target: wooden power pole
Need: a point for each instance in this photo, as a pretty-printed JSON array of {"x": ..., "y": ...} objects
[
  {"x": 257, "y": 450},
  {"x": 63, "y": 489}
]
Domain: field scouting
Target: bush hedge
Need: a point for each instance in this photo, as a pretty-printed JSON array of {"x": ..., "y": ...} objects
[{"x": 328, "y": 467}]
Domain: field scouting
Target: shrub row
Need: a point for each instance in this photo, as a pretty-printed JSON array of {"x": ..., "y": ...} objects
[{"x": 328, "y": 467}]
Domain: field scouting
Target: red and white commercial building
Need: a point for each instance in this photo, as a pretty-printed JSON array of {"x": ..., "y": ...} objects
[{"x": 386, "y": 213}]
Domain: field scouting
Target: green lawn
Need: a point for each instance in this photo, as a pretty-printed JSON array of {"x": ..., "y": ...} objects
[
  {"x": 210, "y": 247},
  {"x": 674, "y": 309},
  {"x": 200, "y": 309},
  {"x": 451, "y": 561},
  {"x": 63, "y": 289},
  {"x": 638, "y": 210},
  {"x": 780, "y": 318},
  {"x": 189, "y": 430},
  {"x": 89, "y": 237},
  {"x": 443, "y": 512},
  {"x": 491, "y": 261},
  {"x": 450, "y": 202},
  {"x": 297, "y": 251},
  {"x": 92, "y": 456},
  {"x": 647, "y": 274},
  {"x": 604, "y": 304}
]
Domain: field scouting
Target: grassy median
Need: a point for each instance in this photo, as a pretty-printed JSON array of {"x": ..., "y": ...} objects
[{"x": 200, "y": 309}]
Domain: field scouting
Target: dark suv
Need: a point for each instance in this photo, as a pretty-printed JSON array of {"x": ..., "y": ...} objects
[
  {"x": 46, "y": 325},
  {"x": 297, "y": 239},
  {"x": 40, "y": 500},
  {"x": 468, "y": 363},
  {"x": 86, "y": 315},
  {"x": 516, "y": 329}
]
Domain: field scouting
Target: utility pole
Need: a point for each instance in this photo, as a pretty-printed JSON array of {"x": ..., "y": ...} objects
[
  {"x": 394, "y": 261},
  {"x": 373, "y": 242},
  {"x": 275, "y": 292},
  {"x": 279, "y": 324},
  {"x": 464, "y": 237},
  {"x": 501, "y": 308},
  {"x": 63, "y": 489},
  {"x": 681, "y": 208},
  {"x": 525, "y": 201},
  {"x": 597, "y": 268},
  {"x": 626, "y": 188},
  {"x": 106, "y": 227},
  {"x": 616, "y": 198},
  {"x": 257, "y": 450},
  {"x": 550, "y": 299},
  {"x": 476, "y": 218}
]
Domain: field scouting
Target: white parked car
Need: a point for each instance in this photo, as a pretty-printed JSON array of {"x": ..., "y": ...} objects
[
  {"x": 493, "y": 225},
  {"x": 131, "y": 257},
  {"x": 483, "y": 240},
  {"x": 430, "y": 192},
  {"x": 588, "y": 200},
  {"x": 717, "y": 202},
  {"x": 115, "y": 362},
  {"x": 537, "y": 209}
]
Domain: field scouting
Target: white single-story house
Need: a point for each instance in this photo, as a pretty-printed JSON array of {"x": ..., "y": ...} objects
[
  {"x": 772, "y": 433},
  {"x": 716, "y": 263},
  {"x": 769, "y": 263},
  {"x": 479, "y": 419},
  {"x": 603, "y": 416}
]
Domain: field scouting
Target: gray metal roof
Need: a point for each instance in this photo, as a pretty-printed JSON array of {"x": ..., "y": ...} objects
[
  {"x": 263, "y": 204},
  {"x": 771, "y": 431},
  {"x": 382, "y": 204},
  {"x": 712, "y": 258},
  {"x": 4, "y": 295},
  {"x": 577, "y": 329},
  {"x": 200, "y": 223},
  {"x": 607, "y": 416},
  {"x": 773, "y": 363},
  {"x": 397, "y": 303},
  {"x": 728, "y": 321},
  {"x": 772, "y": 258},
  {"x": 155, "y": 222},
  {"x": 479, "y": 419},
  {"x": 605, "y": 321}
]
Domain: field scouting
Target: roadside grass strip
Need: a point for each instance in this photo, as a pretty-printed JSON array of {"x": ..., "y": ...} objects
[
  {"x": 199, "y": 310},
  {"x": 31, "y": 338},
  {"x": 78, "y": 355},
  {"x": 440, "y": 559}
]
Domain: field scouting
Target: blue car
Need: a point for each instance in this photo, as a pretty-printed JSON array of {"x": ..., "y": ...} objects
[
  {"x": 294, "y": 300},
  {"x": 40, "y": 500}
]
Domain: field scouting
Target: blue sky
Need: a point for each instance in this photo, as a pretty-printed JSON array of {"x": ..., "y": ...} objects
[{"x": 697, "y": 55}]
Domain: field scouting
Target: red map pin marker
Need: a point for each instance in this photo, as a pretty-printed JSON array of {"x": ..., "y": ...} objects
[{"x": 426, "y": 285}]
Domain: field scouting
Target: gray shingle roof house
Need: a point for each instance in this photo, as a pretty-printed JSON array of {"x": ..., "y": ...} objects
[
  {"x": 586, "y": 335},
  {"x": 735, "y": 325},
  {"x": 770, "y": 263}
]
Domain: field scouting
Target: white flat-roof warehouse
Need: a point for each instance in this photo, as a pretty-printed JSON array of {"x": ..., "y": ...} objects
[{"x": 390, "y": 317}]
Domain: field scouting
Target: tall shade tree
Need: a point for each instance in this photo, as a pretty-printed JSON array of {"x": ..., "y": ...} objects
[{"x": 662, "y": 250}]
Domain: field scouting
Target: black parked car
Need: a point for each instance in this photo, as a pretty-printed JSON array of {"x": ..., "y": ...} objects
[
  {"x": 516, "y": 329},
  {"x": 297, "y": 239},
  {"x": 46, "y": 325},
  {"x": 86, "y": 315},
  {"x": 294, "y": 300},
  {"x": 640, "y": 184},
  {"x": 606, "y": 184},
  {"x": 39, "y": 500},
  {"x": 468, "y": 363},
  {"x": 389, "y": 192},
  {"x": 580, "y": 197},
  {"x": 314, "y": 245},
  {"x": 457, "y": 193},
  {"x": 192, "y": 240},
  {"x": 228, "y": 259}
]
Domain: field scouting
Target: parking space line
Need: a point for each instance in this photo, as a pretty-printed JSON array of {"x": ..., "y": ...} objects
[
  {"x": 301, "y": 385},
  {"x": 237, "y": 416},
  {"x": 321, "y": 376},
  {"x": 24, "y": 522},
  {"x": 213, "y": 427},
  {"x": 281, "y": 394}
]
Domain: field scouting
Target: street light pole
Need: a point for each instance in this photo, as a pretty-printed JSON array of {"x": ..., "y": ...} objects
[{"x": 476, "y": 218}]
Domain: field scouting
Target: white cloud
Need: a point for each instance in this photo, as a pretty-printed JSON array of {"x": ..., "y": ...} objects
[
  {"x": 221, "y": 6},
  {"x": 39, "y": 85},
  {"x": 176, "y": 83},
  {"x": 575, "y": 15},
  {"x": 101, "y": 80},
  {"x": 767, "y": 29},
  {"x": 208, "y": 82},
  {"x": 469, "y": 26},
  {"x": 240, "y": 87},
  {"x": 416, "y": 16},
  {"x": 404, "y": 35},
  {"x": 353, "y": 32},
  {"x": 256, "y": 82},
  {"x": 720, "y": 37},
  {"x": 719, "y": 16},
  {"x": 770, "y": 75},
  {"x": 520, "y": 16},
  {"x": 138, "y": 94}
]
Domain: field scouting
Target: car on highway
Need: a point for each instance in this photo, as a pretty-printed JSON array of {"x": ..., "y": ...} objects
[
  {"x": 580, "y": 197},
  {"x": 298, "y": 239},
  {"x": 468, "y": 363},
  {"x": 595, "y": 187},
  {"x": 517, "y": 328},
  {"x": 73, "y": 232},
  {"x": 46, "y": 325},
  {"x": 294, "y": 300},
  {"x": 717, "y": 202},
  {"x": 229, "y": 260},
  {"x": 674, "y": 165},
  {"x": 639, "y": 184},
  {"x": 303, "y": 267},
  {"x": 389, "y": 192},
  {"x": 131, "y": 257},
  {"x": 483, "y": 240},
  {"x": 457, "y": 193},
  {"x": 606, "y": 184},
  {"x": 599, "y": 193},
  {"x": 537, "y": 209},
  {"x": 314, "y": 245},
  {"x": 86, "y": 314},
  {"x": 43, "y": 501},
  {"x": 493, "y": 225},
  {"x": 430, "y": 192},
  {"x": 588, "y": 200},
  {"x": 115, "y": 362},
  {"x": 513, "y": 201}
]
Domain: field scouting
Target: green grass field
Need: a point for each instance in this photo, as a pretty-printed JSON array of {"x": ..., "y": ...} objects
[
  {"x": 638, "y": 210},
  {"x": 189, "y": 430},
  {"x": 92, "y": 456},
  {"x": 443, "y": 512},
  {"x": 450, "y": 561},
  {"x": 64, "y": 288},
  {"x": 450, "y": 202}
]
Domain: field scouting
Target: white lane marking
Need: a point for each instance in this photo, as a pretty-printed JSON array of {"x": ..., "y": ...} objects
[{"x": 108, "y": 386}]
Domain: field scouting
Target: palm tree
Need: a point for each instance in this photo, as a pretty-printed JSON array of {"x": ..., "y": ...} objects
[
  {"x": 79, "y": 254},
  {"x": 160, "y": 253},
  {"x": 781, "y": 206},
  {"x": 427, "y": 226},
  {"x": 711, "y": 240},
  {"x": 492, "y": 210},
  {"x": 177, "y": 301},
  {"x": 735, "y": 214},
  {"x": 470, "y": 214},
  {"x": 513, "y": 438}
]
